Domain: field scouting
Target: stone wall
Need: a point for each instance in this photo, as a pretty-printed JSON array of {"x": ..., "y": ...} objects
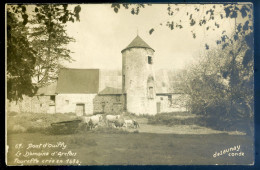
[
  {"x": 66, "y": 103},
  {"x": 43, "y": 104},
  {"x": 176, "y": 105},
  {"x": 35, "y": 104},
  {"x": 111, "y": 103},
  {"x": 164, "y": 103}
]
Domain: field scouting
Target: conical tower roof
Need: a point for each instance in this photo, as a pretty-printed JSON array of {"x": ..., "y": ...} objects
[{"x": 138, "y": 42}]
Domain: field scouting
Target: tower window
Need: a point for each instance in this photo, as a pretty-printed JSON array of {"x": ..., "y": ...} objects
[
  {"x": 170, "y": 99},
  {"x": 150, "y": 61},
  {"x": 123, "y": 82},
  {"x": 150, "y": 93},
  {"x": 52, "y": 98}
]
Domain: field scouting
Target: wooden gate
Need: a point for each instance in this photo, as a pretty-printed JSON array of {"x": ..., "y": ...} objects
[{"x": 80, "y": 109}]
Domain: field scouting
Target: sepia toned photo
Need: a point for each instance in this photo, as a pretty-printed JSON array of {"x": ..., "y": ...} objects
[{"x": 129, "y": 84}]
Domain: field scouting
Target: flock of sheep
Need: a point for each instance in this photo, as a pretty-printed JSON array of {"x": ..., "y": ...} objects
[{"x": 116, "y": 121}]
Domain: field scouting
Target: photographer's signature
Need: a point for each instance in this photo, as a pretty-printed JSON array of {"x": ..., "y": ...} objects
[{"x": 232, "y": 151}]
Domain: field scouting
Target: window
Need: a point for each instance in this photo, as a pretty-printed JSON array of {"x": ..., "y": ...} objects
[
  {"x": 150, "y": 85},
  {"x": 67, "y": 101},
  {"x": 150, "y": 93},
  {"x": 163, "y": 84},
  {"x": 150, "y": 61},
  {"x": 52, "y": 98},
  {"x": 123, "y": 81},
  {"x": 161, "y": 98},
  {"x": 170, "y": 99}
]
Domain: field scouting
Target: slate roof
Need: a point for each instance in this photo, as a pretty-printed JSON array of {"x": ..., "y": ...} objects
[
  {"x": 162, "y": 83},
  {"x": 84, "y": 81},
  {"x": 167, "y": 82},
  {"x": 138, "y": 42},
  {"x": 104, "y": 82},
  {"x": 47, "y": 90},
  {"x": 110, "y": 90},
  {"x": 110, "y": 81}
]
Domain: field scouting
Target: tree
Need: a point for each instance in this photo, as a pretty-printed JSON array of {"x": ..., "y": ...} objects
[
  {"x": 20, "y": 59},
  {"x": 220, "y": 85},
  {"x": 208, "y": 17},
  {"x": 36, "y": 44},
  {"x": 49, "y": 39}
]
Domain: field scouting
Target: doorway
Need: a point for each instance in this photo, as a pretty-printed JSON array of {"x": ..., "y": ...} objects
[
  {"x": 158, "y": 104},
  {"x": 80, "y": 109}
]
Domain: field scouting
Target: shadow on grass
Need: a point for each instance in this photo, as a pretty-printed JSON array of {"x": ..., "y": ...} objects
[{"x": 216, "y": 123}]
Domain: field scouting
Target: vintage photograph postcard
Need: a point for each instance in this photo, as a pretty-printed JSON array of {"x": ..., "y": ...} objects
[{"x": 129, "y": 84}]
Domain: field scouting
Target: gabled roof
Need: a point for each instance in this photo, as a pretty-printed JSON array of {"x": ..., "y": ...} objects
[
  {"x": 47, "y": 90},
  {"x": 78, "y": 81},
  {"x": 138, "y": 42},
  {"x": 167, "y": 82},
  {"x": 104, "y": 82},
  {"x": 111, "y": 90}
]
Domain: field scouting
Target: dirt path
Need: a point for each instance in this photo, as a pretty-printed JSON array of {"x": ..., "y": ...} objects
[
  {"x": 182, "y": 129},
  {"x": 179, "y": 129}
]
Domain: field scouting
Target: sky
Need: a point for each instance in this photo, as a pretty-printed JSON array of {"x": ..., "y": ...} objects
[{"x": 101, "y": 34}]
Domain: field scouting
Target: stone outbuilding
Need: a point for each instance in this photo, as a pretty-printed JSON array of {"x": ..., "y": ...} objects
[
  {"x": 42, "y": 102},
  {"x": 86, "y": 91},
  {"x": 76, "y": 90},
  {"x": 137, "y": 88}
]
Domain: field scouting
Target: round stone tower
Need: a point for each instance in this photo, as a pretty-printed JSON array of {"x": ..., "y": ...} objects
[{"x": 138, "y": 81}]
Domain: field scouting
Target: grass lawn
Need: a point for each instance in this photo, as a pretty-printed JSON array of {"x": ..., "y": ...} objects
[
  {"x": 135, "y": 148},
  {"x": 185, "y": 143}
]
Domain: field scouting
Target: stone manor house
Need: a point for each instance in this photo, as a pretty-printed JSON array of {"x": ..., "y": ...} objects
[{"x": 137, "y": 88}]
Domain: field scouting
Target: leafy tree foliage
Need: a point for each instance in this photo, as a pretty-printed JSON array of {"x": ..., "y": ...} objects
[
  {"x": 36, "y": 45},
  {"x": 220, "y": 86},
  {"x": 209, "y": 16},
  {"x": 49, "y": 39},
  {"x": 135, "y": 8},
  {"x": 20, "y": 59}
]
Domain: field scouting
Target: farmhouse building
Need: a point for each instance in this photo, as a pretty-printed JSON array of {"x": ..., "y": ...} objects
[{"x": 137, "y": 88}]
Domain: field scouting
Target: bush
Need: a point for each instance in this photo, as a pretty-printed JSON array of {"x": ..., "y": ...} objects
[
  {"x": 220, "y": 86},
  {"x": 245, "y": 125},
  {"x": 35, "y": 122},
  {"x": 170, "y": 119}
]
